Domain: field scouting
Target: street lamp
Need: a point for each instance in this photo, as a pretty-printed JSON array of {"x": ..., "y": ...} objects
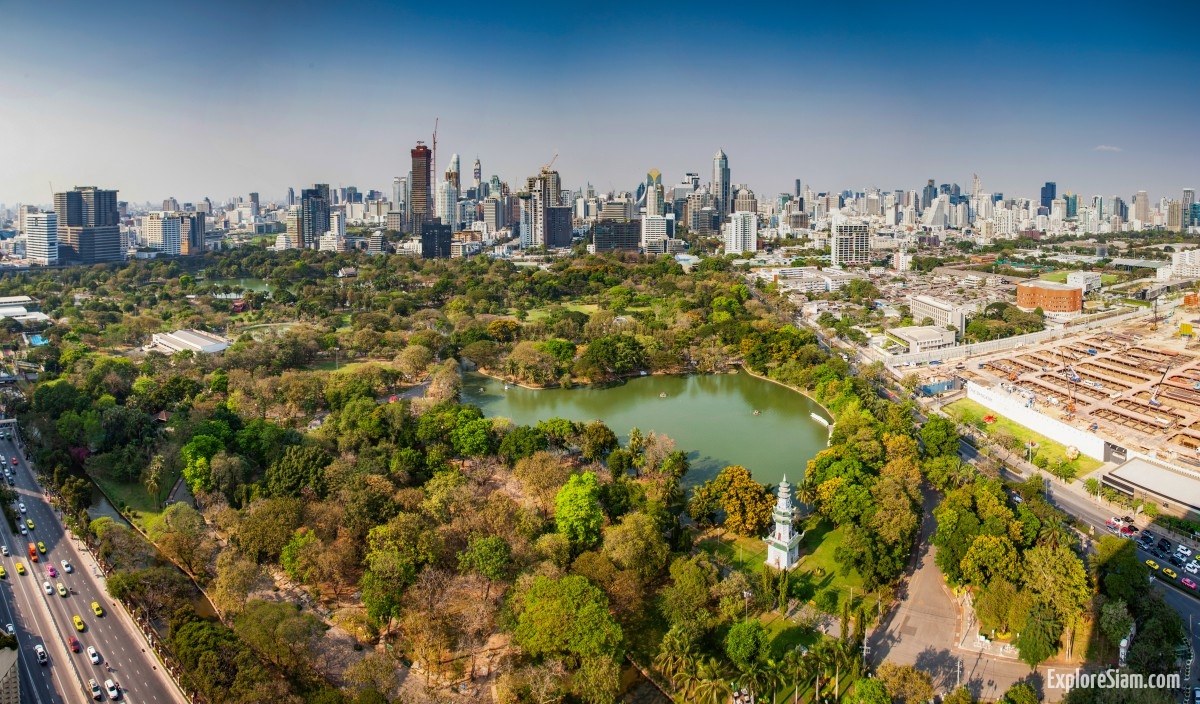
[{"x": 335, "y": 358}]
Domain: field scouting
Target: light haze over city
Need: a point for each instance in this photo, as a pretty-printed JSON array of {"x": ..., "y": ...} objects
[{"x": 217, "y": 99}]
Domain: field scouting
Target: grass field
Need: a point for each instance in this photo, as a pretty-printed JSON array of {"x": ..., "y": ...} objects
[
  {"x": 1060, "y": 277},
  {"x": 134, "y": 497},
  {"x": 969, "y": 412}
]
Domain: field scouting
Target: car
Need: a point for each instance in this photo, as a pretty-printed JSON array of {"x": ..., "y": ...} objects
[
  {"x": 21, "y": 505},
  {"x": 62, "y": 591},
  {"x": 97, "y": 608},
  {"x": 74, "y": 643},
  {"x": 29, "y": 522},
  {"x": 1183, "y": 552},
  {"x": 1164, "y": 544},
  {"x": 1196, "y": 695},
  {"x": 66, "y": 565},
  {"x": 1152, "y": 564},
  {"x": 1170, "y": 572},
  {"x": 40, "y": 653},
  {"x": 96, "y": 693},
  {"x": 1192, "y": 568},
  {"x": 4, "y": 550},
  {"x": 1190, "y": 584},
  {"x": 20, "y": 568},
  {"x": 78, "y": 624},
  {"x": 41, "y": 547},
  {"x": 47, "y": 588},
  {"x": 23, "y": 531},
  {"x": 113, "y": 689},
  {"x": 1174, "y": 559},
  {"x": 3, "y": 574},
  {"x": 11, "y": 630},
  {"x": 95, "y": 656},
  {"x": 51, "y": 571},
  {"x": 14, "y": 461}
]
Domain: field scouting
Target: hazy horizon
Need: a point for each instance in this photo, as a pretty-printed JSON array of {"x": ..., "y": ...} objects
[{"x": 220, "y": 99}]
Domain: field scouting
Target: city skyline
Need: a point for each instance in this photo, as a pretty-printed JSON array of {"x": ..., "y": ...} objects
[{"x": 831, "y": 99}]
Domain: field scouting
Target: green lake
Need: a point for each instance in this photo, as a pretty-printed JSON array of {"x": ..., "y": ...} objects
[
  {"x": 239, "y": 286},
  {"x": 709, "y": 416}
]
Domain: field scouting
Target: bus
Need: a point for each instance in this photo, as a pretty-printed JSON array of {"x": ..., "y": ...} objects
[{"x": 33, "y": 553}]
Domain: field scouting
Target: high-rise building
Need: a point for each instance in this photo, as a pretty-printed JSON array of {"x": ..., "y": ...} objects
[
  {"x": 170, "y": 205},
  {"x": 89, "y": 225},
  {"x": 452, "y": 173},
  {"x": 420, "y": 196},
  {"x": 477, "y": 174},
  {"x": 741, "y": 233},
  {"x": 191, "y": 232},
  {"x": 654, "y": 234},
  {"x": 542, "y": 193},
  {"x": 291, "y": 196},
  {"x": 294, "y": 224},
  {"x": 849, "y": 242},
  {"x": 1049, "y": 193},
  {"x": 1141, "y": 208},
  {"x": 798, "y": 192},
  {"x": 745, "y": 202},
  {"x": 162, "y": 232},
  {"x": 609, "y": 235},
  {"x": 654, "y": 193},
  {"x": 41, "y": 238},
  {"x": 1072, "y": 200},
  {"x": 1189, "y": 200},
  {"x": 314, "y": 215},
  {"x": 337, "y": 223},
  {"x": 254, "y": 204},
  {"x": 435, "y": 241},
  {"x": 493, "y": 214},
  {"x": 929, "y": 195},
  {"x": 10, "y": 676},
  {"x": 1174, "y": 216},
  {"x": 446, "y": 203},
  {"x": 720, "y": 183}
]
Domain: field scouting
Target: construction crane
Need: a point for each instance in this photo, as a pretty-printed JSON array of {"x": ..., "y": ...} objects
[
  {"x": 433, "y": 172},
  {"x": 546, "y": 168},
  {"x": 1154, "y": 402}
]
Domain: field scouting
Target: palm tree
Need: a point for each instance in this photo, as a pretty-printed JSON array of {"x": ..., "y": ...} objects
[
  {"x": 675, "y": 657},
  {"x": 773, "y": 677},
  {"x": 710, "y": 686},
  {"x": 798, "y": 669}
]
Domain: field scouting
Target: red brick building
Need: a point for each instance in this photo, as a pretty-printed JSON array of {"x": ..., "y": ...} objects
[{"x": 1050, "y": 297}]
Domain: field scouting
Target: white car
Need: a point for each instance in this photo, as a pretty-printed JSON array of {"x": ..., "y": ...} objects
[
  {"x": 21, "y": 505},
  {"x": 40, "y": 653},
  {"x": 66, "y": 564},
  {"x": 93, "y": 655},
  {"x": 11, "y": 631},
  {"x": 113, "y": 689},
  {"x": 4, "y": 550},
  {"x": 1183, "y": 552},
  {"x": 23, "y": 531},
  {"x": 1192, "y": 567},
  {"x": 46, "y": 586},
  {"x": 96, "y": 694}
]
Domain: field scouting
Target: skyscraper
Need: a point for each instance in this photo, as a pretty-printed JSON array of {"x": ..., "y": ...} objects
[
  {"x": 1189, "y": 199},
  {"x": 1049, "y": 193},
  {"x": 447, "y": 203},
  {"x": 720, "y": 183},
  {"x": 162, "y": 231},
  {"x": 654, "y": 193},
  {"x": 929, "y": 195},
  {"x": 291, "y": 196},
  {"x": 798, "y": 193},
  {"x": 452, "y": 173},
  {"x": 540, "y": 195},
  {"x": 1141, "y": 207},
  {"x": 420, "y": 197},
  {"x": 191, "y": 233},
  {"x": 850, "y": 242},
  {"x": 314, "y": 215},
  {"x": 477, "y": 172},
  {"x": 254, "y": 204},
  {"x": 89, "y": 225},
  {"x": 294, "y": 221},
  {"x": 41, "y": 238},
  {"x": 741, "y": 233}
]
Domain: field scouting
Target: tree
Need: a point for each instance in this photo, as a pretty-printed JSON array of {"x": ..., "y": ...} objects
[
  {"x": 521, "y": 442},
  {"x": 940, "y": 437},
  {"x": 541, "y": 476},
  {"x": 300, "y": 467},
  {"x": 182, "y": 535},
  {"x": 905, "y": 683},
  {"x": 577, "y": 511},
  {"x": 153, "y": 477},
  {"x": 297, "y": 556},
  {"x": 472, "y": 438},
  {"x": 746, "y": 643},
  {"x": 236, "y": 576},
  {"x": 488, "y": 557},
  {"x": 1020, "y": 693},
  {"x": 1115, "y": 621},
  {"x": 597, "y": 680},
  {"x": 1092, "y": 486},
  {"x": 267, "y": 527},
  {"x": 196, "y": 454},
  {"x": 687, "y": 598},
  {"x": 637, "y": 544},
  {"x": 567, "y": 618},
  {"x": 869, "y": 691},
  {"x": 747, "y": 504},
  {"x": 1039, "y": 639},
  {"x": 281, "y": 633},
  {"x": 988, "y": 557},
  {"x": 596, "y": 441}
]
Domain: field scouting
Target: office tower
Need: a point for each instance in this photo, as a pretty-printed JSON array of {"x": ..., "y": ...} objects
[
  {"x": 435, "y": 241},
  {"x": 720, "y": 183},
  {"x": 477, "y": 174},
  {"x": 420, "y": 197},
  {"x": 1072, "y": 200},
  {"x": 1189, "y": 199},
  {"x": 798, "y": 192},
  {"x": 928, "y": 195},
  {"x": 452, "y": 172},
  {"x": 745, "y": 201},
  {"x": 654, "y": 234},
  {"x": 446, "y": 203},
  {"x": 291, "y": 196},
  {"x": 314, "y": 215},
  {"x": 294, "y": 226},
  {"x": 170, "y": 205},
  {"x": 541, "y": 193},
  {"x": 1174, "y": 216},
  {"x": 493, "y": 214},
  {"x": 337, "y": 223},
  {"x": 1141, "y": 207},
  {"x": 41, "y": 238},
  {"x": 741, "y": 233},
  {"x": 558, "y": 226},
  {"x": 976, "y": 186},
  {"x": 254, "y": 204},
  {"x": 89, "y": 225},
  {"x": 1049, "y": 193},
  {"x": 162, "y": 232},
  {"x": 353, "y": 196},
  {"x": 850, "y": 242},
  {"x": 397, "y": 192},
  {"x": 610, "y": 235},
  {"x": 191, "y": 232},
  {"x": 654, "y": 193}
]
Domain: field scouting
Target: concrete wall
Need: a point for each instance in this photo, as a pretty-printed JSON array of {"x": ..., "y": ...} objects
[
  {"x": 1008, "y": 343},
  {"x": 1013, "y": 407}
]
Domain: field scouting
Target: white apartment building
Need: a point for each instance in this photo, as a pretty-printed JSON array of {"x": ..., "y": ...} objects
[
  {"x": 654, "y": 234},
  {"x": 1087, "y": 280},
  {"x": 163, "y": 232},
  {"x": 337, "y": 223},
  {"x": 741, "y": 233},
  {"x": 850, "y": 242},
  {"x": 1185, "y": 265},
  {"x": 943, "y": 313},
  {"x": 41, "y": 237}
]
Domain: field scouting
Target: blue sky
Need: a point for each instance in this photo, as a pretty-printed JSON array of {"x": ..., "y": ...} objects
[{"x": 221, "y": 98}]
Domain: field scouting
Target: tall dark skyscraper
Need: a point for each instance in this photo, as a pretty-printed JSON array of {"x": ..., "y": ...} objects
[
  {"x": 1049, "y": 193},
  {"x": 798, "y": 192},
  {"x": 314, "y": 214},
  {"x": 89, "y": 225},
  {"x": 722, "y": 189},
  {"x": 420, "y": 196},
  {"x": 291, "y": 197},
  {"x": 929, "y": 195}
]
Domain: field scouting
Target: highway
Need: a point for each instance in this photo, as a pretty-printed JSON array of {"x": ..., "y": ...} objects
[{"x": 47, "y": 619}]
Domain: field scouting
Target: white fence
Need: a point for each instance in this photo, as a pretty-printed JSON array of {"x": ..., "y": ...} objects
[
  {"x": 1009, "y": 406},
  {"x": 1008, "y": 343}
]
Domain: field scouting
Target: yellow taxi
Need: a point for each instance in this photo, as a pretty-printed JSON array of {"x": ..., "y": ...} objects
[
  {"x": 78, "y": 623},
  {"x": 96, "y": 609},
  {"x": 29, "y": 522},
  {"x": 1170, "y": 572},
  {"x": 62, "y": 591},
  {"x": 3, "y": 574},
  {"x": 20, "y": 568},
  {"x": 41, "y": 547},
  {"x": 1152, "y": 564}
]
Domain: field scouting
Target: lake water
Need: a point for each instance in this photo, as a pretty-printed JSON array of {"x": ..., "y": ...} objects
[
  {"x": 239, "y": 285},
  {"x": 709, "y": 416}
]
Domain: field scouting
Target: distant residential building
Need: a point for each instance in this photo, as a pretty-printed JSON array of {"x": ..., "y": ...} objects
[
  {"x": 922, "y": 338},
  {"x": 902, "y": 260},
  {"x": 294, "y": 220},
  {"x": 314, "y": 214},
  {"x": 741, "y": 233},
  {"x": 375, "y": 243},
  {"x": 654, "y": 234},
  {"x": 1087, "y": 280},
  {"x": 611, "y": 235},
  {"x": 1052, "y": 298},
  {"x": 89, "y": 225},
  {"x": 41, "y": 238},
  {"x": 558, "y": 226},
  {"x": 162, "y": 232},
  {"x": 849, "y": 242}
]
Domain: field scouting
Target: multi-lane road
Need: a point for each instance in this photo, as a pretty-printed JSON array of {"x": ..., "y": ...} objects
[{"x": 48, "y": 619}]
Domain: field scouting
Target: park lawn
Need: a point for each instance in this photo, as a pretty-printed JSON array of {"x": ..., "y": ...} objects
[
  {"x": 969, "y": 412},
  {"x": 1060, "y": 277},
  {"x": 133, "y": 497},
  {"x": 536, "y": 314},
  {"x": 817, "y": 549}
]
